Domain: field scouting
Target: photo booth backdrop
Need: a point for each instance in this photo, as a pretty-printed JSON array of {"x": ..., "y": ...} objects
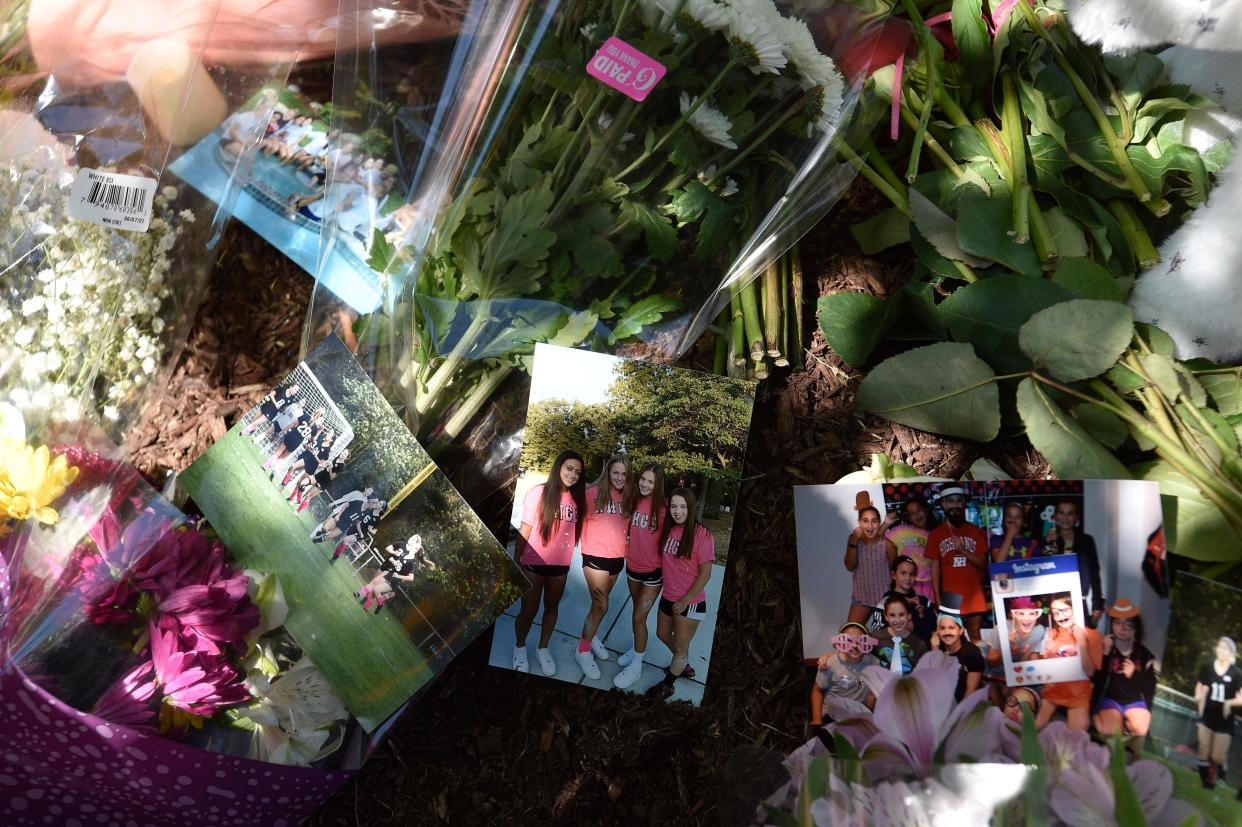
[{"x": 1119, "y": 514}]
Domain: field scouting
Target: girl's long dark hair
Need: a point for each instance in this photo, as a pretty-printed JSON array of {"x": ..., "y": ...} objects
[
  {"x": 686, "y": 547},
  {"x": 550, "y": 502},
  {"x": 657, "y": 494},
  {"x": 604, "y": 494}
]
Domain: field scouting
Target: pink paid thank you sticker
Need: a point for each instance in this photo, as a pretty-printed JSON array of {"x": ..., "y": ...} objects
[{"x": 626, "y": 69}]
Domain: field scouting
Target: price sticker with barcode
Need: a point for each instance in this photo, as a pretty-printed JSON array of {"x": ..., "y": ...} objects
[{"x": 113, "y": 199}]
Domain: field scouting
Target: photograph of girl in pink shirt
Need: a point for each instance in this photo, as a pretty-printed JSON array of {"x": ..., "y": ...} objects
[{"x": 657, "y": 452}]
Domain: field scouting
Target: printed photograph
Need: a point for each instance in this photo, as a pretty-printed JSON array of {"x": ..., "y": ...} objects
[
  {"x": 387, "y": 571},
  {"x": 286, "y": 199},
  {"x": 621, "y": 521},
  {"x": 1041, "y": 590},
  {"x": 1198, "y": 697}
]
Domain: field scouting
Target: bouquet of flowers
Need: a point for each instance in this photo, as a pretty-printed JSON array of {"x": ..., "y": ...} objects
[
  {"x": 594, "y": 172},
  {"x": 116, "y": 615}
]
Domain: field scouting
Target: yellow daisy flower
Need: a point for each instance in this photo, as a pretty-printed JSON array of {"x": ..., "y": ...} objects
[{"x": 31, "y": 480}]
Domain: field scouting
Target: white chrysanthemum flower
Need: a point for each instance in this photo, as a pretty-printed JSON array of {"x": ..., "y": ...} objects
[
  {"x": 755, "y": 40},
  {"x": 707, "y": 13},
  {"x": 709, "y": 122},
  {"x": 814, "y": 67},
  {"x": 824, "y": 107},
  {"x": 729, "y": 187}
]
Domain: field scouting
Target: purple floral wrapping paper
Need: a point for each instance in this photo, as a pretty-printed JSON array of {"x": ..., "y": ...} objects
[{"x": 62, "y": 766}]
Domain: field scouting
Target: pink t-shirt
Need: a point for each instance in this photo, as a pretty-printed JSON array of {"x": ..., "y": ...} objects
[
  {"x": 644, "y": 549},
  {"x": 604, "y": 533},
  {"x": 559, "y": 549},
  {"x": 679, "y": 573}
]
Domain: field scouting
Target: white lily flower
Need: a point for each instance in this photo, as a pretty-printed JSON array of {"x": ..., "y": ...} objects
[{"x": 709, "y": 122}]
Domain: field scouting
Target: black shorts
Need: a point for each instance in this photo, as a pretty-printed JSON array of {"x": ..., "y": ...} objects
[
  {"x": 695, "y": 611},
  {"x": 648, "y": 578},
  {"x": 612, "y": 565},
  {"x": 293, "y": 440},
  {"x": 268, "y": 409},
  {"x": 1215, "y": 720},
  {"x": 545, "y": 571}
]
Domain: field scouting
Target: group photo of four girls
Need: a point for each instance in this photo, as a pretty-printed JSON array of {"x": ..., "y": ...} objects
[{"x": 630, "y": 521}]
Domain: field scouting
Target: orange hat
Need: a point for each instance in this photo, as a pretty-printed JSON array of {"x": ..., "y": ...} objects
[{"x": 1123, "y": 608}]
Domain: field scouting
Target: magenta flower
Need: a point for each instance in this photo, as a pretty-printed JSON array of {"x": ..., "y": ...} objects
[
  {"x": 180, "y": 558},
  {"x": 128, "y": 701},
  {"x": 193, "y": 681},
  {"x": 211, "y": 617}
]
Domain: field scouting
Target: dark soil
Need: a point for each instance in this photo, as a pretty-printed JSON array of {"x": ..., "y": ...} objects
[{"x": 483, "y": 745}]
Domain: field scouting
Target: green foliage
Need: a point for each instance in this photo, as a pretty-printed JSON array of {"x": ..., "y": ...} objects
[
  {"x": 854, "y": 323},
  {"x": 944, "y": 388},
  {"x": 1063, "y": 441},
  {"x": 989, "y": 313},
  {"x": 1077, "y": 339}
]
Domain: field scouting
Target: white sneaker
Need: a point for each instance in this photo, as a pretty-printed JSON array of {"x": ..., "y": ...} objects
[
  {"x": 626, "y": 677},
  {"x": 519, "y": 659},
  {"x": 546, "y": 662},
  {"x": 599, "y": 649},
  {"x": 586, "y": 662},
  {"x": 624, "y": 659}
]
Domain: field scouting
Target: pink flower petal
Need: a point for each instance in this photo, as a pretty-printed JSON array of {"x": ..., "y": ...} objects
[
  {"x": 1154, "y": 785},
  {"x": 914, "y": 709},
  {"x": 1083, "y": 797}
]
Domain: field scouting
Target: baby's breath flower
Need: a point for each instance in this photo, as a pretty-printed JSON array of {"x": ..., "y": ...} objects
[{"x": 710, "y": 122}]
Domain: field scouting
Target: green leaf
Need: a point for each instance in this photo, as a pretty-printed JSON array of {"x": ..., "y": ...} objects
[
  {"x": 920, "y": 317},
  {"x": 639, "y": 315},
  {"x": 984, "y": 229},
  {"x": 988, "y": 314},
  {"x": 1128, "y": 810},
  {"x": 1194, "y": 527},
  {"x": 517, "y": 240},
  {"x": 881, "y": 231},
  {"x": 1225, "y": 390},
  {"x": 1087, "y": 280},
  {"x": 1032, "y": 754},
  {"x": 1156, "y": 339},
  {"x": 939, "y": 228},
  {"x": 974, "y": 45},
  {"x": 944, "y": 388},
  {"x": 854, "y": 323},
  {"x": 930, "y": 258},
  {"x": 1125, "y": 380},
  {"x": 658, "y": 231},
  {"x": 1163, "y": 101},
  {"x": 697, "y": 203},
  {"x": 1178, "y": 161},
  {"x": 1066, "y": 234},
  {"x": 577, "y": 327},
  {"x": 1077, "y": 339},
  {"x": 1069, "y": 449},
  {"x": 1138, "y": 74},
  {"x": 382, "y": 253},
  {"x": 1160, "y": 369},
  {"x": 1104, "y": 425}
]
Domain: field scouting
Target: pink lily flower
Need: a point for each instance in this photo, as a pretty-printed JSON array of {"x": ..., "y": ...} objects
[{"x": 918, "y": 722}]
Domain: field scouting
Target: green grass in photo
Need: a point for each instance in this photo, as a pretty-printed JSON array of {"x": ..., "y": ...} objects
[{"x": 369, "y": 659}]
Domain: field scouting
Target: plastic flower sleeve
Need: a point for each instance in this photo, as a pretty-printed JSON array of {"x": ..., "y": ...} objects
[
  {"x": 584, "y": 173},
  {"x": 103, "y": 257}
]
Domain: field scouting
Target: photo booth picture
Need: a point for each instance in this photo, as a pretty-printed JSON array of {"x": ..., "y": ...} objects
[{"x": 1047, "y": 576}]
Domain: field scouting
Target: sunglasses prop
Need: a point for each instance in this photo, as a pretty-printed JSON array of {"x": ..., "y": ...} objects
[{"x": 848, "y": 643}]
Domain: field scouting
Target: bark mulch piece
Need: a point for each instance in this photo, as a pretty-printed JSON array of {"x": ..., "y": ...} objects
[{"x": 484, "y": 745}]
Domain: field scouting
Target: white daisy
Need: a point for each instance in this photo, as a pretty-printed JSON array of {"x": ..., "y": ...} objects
[
  {"x": 814, "y": 67},
  {"x": 710, "y": 122},
  {"x": 753, "y": 38},
  {"x": 707, "y": 13}
]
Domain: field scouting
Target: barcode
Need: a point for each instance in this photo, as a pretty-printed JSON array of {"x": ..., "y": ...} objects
[{"x": 117, "y": 197}]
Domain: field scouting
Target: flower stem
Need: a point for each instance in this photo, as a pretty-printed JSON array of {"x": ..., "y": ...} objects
[
  {"x": 1134, "y": 182},
  {"x": 470, "y": 406},
  {"x": 772, "y": 310},
  {"x": 680, "y": 122},
  {"x": 1145, "y": 253},
  {"x": 895, "y": 195},
  {"x": 737, "y": 328},
  {"x": 1013, "y": 132},
  {"x": 758, "y": 142},
  {"x": 750, "y": 320},
  {"x": 447, "y": 370}
]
